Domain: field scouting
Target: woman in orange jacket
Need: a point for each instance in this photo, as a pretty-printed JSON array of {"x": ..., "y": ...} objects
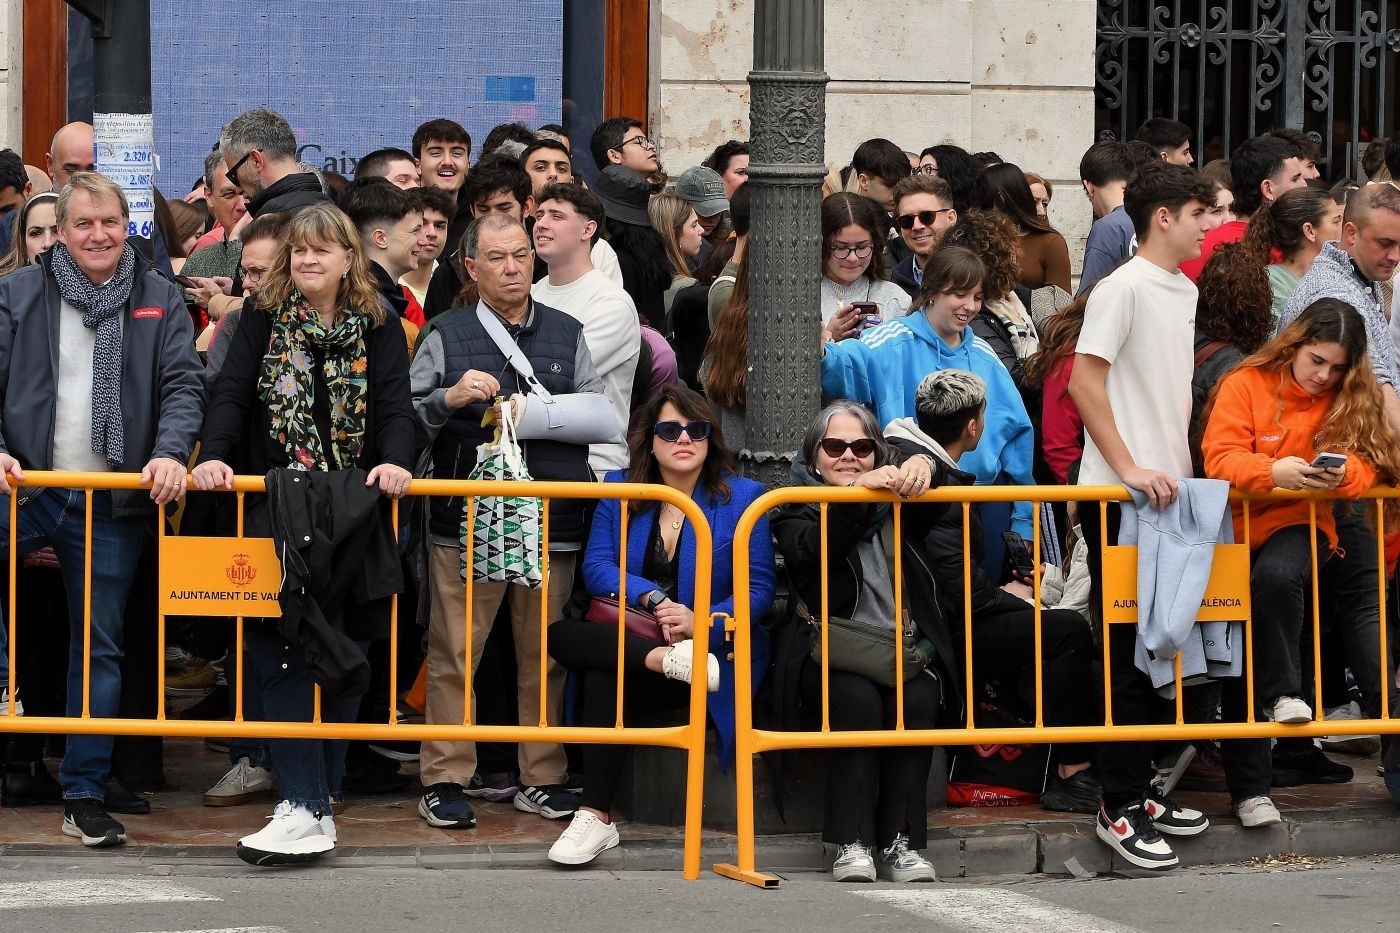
[{"x": 1309, "y": 391}]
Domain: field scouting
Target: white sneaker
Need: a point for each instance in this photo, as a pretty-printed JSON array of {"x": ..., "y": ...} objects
[
  {"x": 1257, "y": 811},
  {"x": 19, "y": 707},
  {"x": 242, "y": 784},
  {"x": 1349, "y": 744},
  {"x": 901, "y": 863},
  {"x": 675, "y": 664},
  {"x": 293, "y": 834},
  {"x": 585, "y": 839},
  {"x": 1291, "y": 710},
  {"x": 853, "y": 863}
]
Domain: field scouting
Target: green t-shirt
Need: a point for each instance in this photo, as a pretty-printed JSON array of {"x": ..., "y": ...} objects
[{"x": 1282, "y": 281}]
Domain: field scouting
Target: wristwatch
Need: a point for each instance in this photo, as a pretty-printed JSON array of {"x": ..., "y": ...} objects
[{"x": 651, "y": 600}]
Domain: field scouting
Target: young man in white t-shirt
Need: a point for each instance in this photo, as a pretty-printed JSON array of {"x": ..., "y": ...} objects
[
  {"x": 566, "y": 223},
  {"x": 1132, "y": 386}
]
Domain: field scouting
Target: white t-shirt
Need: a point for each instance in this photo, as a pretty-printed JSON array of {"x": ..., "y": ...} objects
[
  {"x": 604, "y": 259},
  {"x": 72, "y": 416},
  {"x": 1141, "y": 319},
  {"x": 614, "y": 337}
]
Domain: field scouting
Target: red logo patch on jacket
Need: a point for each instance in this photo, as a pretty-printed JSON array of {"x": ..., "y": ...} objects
[{"x": 148, "y": 312}]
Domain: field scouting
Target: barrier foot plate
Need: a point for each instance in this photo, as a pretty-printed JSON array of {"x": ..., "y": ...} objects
[{"x": 756, "y": 878}]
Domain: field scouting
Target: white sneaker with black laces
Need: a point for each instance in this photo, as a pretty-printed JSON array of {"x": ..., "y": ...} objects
[
  {"x": 586, "y": 838},
  {"x": 1129, "y": 831},
  {"x": 675, "y": 664},
  {"x": 853, "y": 863},
  {"x": 293, "y": 834},
  {"x": 901, "y": 863},
  {"x": 1257, "y": 811},
  {"x": 1290, "y": 710},
  {"x": 1172, "y": 818}
]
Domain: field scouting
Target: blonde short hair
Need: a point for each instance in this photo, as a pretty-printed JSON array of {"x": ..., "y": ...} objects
[{"x": 98, "y": 187}]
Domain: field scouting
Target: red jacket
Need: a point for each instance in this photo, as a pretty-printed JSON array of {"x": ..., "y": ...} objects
[{"x": 1061, "y": 428}]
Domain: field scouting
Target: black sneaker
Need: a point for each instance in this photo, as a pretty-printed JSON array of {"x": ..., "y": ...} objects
[
  {"x": 86, "y": 819},
  {"x": 1130, "y": 832},
  {"x": 550, "y": 801},
  {"x": 1078, "y": 793},
  {"x": 118, "y": 799},
  {"x": 445, "y": 806},
  {"x": 1172, "y": 818},
  {"x": 1308, "y": 767}
]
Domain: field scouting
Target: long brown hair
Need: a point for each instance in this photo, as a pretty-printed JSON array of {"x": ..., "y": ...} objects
[
  {"x": 728, "y": 347},
  {"x": 1280, "y": 225},
  {"x": 324, "y": 223},
  {"x": 1356, "y": 421},
  {"x": 1058, "y": 338},
  {"x": 843, "y": 209},
  {"x": 720, "y": 462}
]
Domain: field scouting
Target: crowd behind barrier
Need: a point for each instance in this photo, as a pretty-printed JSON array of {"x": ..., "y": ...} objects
[{"x": 523, "y": 354}]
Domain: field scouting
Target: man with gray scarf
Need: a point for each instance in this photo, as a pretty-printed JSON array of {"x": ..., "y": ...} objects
[{"x": 94, "y": 318}]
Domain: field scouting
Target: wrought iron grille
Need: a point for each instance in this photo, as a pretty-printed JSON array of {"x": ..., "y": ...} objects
[{"x": 1232, "y": 68}]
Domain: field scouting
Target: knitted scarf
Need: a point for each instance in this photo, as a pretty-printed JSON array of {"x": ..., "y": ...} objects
[
  {"x": 101, "y": 307},
  {"x": 288, "y": 385}
]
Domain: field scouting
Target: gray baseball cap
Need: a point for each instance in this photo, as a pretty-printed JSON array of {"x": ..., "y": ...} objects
[{"x": 704, "y": 189}]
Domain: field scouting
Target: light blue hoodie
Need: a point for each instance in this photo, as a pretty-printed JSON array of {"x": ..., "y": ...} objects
[{"x": 884, "y": 366}]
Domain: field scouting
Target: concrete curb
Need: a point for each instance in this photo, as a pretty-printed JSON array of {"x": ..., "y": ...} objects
[{"x": 1032, "y": 847}]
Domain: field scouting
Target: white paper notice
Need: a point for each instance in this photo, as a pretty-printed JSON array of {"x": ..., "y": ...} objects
[{"x": 124, "y": 143}]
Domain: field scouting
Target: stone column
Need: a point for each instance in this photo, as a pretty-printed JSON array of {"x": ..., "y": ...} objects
[{"x": 787, "y": 141}]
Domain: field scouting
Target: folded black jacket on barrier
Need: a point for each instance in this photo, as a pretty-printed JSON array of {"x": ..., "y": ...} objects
[{"x": 340, "y": 564}]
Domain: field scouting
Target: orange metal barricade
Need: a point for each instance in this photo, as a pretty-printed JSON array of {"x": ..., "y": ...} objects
[
  {"x": 1231, "y": 571},
  {"x": 247, "y": 553}
]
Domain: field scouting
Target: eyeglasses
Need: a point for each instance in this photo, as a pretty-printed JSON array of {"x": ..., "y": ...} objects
[
  {"x": 842, "y": 252},
  {"x": 926, "y": 170},
  {"x": 906, "y": 221},
  {"x": 641, "y": 141},
  {"x": 670, "y": 431},
  {"x": 835, "y": 448},
  {"x": 232, "y": 173}
]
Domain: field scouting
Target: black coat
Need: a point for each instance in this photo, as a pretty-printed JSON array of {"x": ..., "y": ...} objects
[{"x": 288, "y": 195}]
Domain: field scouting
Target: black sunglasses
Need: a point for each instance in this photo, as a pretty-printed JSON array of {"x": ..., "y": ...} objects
[
  {"x": 232, "y": 173},
  {"x": 835, "y": 448},
  {"x": 670, "y": 431},
  {"x": 906, "y": 221}
]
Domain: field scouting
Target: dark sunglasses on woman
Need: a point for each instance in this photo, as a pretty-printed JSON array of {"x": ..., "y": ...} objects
[
  {"x": 670, "y": 431},
  {"x": 835, "y": 448}
]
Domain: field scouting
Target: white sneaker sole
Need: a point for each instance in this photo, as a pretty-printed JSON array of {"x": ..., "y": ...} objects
[
  {"x": 524, "y": 805},
  {"x": 93, "y": 842},
  {"x": 583, "y": 858},
  {"x": 1260, "y": 820},
  {"x": 1108, "y": 839},
  {"x": 906, "y": 874},
  {"x": 858, "y": 875},
  {"x": 303, "y": 850}
]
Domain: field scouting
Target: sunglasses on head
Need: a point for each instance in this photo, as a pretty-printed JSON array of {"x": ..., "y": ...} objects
[
  {"x": 906, "y": 221},
  {"x": 670, "y": 431},
  {"x": 835, "y": 448}
]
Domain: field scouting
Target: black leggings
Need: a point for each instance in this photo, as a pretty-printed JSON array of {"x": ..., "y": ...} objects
[{"x": 589, "y": 649}]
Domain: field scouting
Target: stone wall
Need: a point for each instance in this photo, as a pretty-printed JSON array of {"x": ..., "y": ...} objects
[
  {"x": 11, "y": 74},
  {"x": 1015, "y": 76}
]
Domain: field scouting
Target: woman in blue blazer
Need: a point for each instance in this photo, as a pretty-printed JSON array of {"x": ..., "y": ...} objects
[{"x": 681, "y": 446}]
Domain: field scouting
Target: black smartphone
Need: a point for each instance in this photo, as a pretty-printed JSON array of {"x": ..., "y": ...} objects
[
  {"x": 1019, "y": 553},
  {"x": 869, "y": 312},
  {"x": 185, "y": 281}
]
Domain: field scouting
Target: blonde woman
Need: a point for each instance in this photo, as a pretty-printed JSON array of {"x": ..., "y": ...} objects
[{"x": 675, "y": 219}]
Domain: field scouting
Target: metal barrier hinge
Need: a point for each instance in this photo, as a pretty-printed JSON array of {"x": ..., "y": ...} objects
[{"x": 730, "y": 623}]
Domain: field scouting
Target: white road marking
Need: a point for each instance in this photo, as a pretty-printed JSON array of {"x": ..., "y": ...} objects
[
  {"x": 230, "y": 930},
  {"x": 972, "y": 910},
  {"x": 86, "y": 893}
]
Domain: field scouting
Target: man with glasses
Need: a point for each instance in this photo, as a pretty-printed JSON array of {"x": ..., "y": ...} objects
[
  {"x": 923, "y": 206},
  {"x": 458, "y": 373},
  {"x": 260, "y": 149},
  {"x": 623, "y": 141}
]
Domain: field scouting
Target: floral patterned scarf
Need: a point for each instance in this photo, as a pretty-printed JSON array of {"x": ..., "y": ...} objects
[{"x": 288, "y": 385}]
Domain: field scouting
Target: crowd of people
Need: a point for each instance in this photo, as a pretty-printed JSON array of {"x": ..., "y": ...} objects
[{"x": 1232, "y": 327}]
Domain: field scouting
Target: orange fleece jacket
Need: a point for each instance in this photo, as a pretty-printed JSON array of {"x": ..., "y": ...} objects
[{"x": 1246, "y": 435}]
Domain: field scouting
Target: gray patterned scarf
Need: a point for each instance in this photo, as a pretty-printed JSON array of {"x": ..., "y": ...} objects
[{"x": 101, "y": 306}]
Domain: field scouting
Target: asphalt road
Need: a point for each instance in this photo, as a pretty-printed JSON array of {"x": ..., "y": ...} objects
[{"x": 86, "y": 893}]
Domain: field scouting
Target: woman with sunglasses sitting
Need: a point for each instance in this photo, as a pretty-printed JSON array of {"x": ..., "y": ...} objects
[
  {"x": 873, "y": 795},
  {"x": 682, "y": 447}
]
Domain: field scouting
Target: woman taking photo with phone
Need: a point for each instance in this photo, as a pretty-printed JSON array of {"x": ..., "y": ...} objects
[
  {"x": 1310, "y": 391},
  {"x": 855, "y": 284}
]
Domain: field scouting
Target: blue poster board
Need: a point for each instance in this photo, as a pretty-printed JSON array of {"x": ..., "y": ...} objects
[{"x": 351, "y": 76}]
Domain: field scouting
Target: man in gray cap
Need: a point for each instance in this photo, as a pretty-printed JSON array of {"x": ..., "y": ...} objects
[{"x": 704, "y": 189}]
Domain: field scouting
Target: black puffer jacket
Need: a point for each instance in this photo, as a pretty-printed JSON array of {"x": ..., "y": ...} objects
[{"x": 1219, "y": 363}]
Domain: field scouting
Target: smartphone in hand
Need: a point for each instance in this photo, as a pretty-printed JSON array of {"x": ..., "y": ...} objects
[{"x": 1019, "y": 554}]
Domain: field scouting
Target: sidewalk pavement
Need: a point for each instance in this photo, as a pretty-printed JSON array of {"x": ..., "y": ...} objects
[{"x": 1338, "y": 820}]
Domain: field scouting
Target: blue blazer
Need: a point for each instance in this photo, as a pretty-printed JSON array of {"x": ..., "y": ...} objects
[{"x": 602, "y": 563}]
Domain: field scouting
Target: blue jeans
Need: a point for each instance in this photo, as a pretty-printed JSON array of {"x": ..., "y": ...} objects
[
  {"x": 255, "y": 750},
  {"x": 307, "y": 771},
  {"x": 56, "y": 517}
]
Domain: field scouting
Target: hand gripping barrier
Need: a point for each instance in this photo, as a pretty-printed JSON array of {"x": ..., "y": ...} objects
[
  {"x": 227, "y": 587},
  {"x": 1228, "y": 591}
]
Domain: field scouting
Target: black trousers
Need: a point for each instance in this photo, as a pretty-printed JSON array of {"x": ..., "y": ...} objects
[
  {"x": 589, "y": 650},
  {"x": 872, "y": 794}
]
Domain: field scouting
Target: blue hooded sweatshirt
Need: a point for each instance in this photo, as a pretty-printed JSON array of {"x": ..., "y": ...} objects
[{"x": 884, "y": 366}]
